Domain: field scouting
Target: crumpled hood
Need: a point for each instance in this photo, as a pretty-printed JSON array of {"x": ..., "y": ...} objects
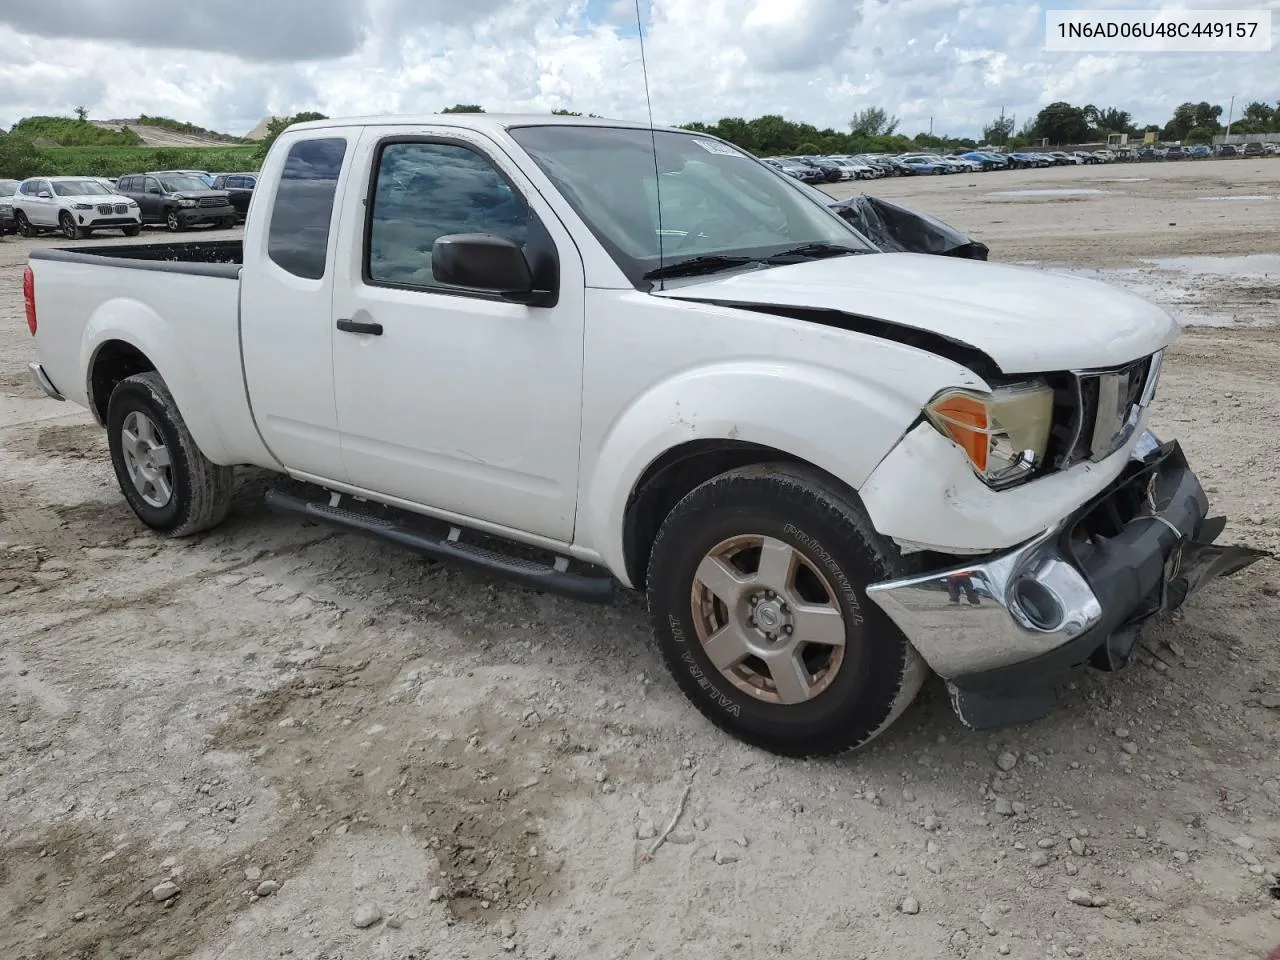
[{"x": 1026, "y": 320}]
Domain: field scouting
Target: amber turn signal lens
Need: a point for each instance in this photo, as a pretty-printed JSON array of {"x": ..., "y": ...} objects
[{"x": 966, "y": 420}]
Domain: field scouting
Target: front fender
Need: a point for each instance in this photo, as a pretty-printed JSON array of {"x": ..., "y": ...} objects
[
  {"x": 828, "y": 419},
  {"x": 137, "y": 324}
]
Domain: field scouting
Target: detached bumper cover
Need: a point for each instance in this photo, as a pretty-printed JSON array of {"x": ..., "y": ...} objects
[
  {"x": 1005, "y": 632},
  {"x": 43, "y": 382}
]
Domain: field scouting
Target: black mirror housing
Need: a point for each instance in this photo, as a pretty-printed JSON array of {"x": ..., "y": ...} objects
[{"x": 481, "y": 261}]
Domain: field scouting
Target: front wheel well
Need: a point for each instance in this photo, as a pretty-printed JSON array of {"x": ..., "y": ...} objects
[
  {"x": 670, "y": 478},
  {"x": 114, "y": 361}
]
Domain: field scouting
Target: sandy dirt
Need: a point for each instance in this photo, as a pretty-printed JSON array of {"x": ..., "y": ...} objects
[{"x": 301, "y": 729}]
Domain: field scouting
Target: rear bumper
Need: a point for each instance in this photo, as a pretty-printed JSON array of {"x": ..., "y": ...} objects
[
  {"x": 1006, "y": 631},
  {"x": 43, "y": 382}
]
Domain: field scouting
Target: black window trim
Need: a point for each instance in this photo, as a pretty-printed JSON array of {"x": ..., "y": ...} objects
[
  {"x": 335, "y": 206},
  {"x": 537, "y": 229}
]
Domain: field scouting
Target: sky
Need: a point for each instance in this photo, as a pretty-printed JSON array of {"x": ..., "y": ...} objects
[{"x": 949, "y": 65}]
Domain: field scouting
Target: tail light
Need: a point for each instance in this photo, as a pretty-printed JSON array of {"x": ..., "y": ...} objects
[{"x": 29, "y": 297}]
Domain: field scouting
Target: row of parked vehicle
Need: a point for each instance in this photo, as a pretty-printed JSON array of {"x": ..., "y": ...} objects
[
  {"x": 79, "y": 206},
  {"x": 829, "y": 169}
]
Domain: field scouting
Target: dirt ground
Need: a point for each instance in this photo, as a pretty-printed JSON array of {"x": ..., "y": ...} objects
[{"x": 302, "y": 729}]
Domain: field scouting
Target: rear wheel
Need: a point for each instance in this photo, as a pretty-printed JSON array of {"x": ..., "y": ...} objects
[
  {"x": 757, "y": 592},
  {"x": 170, "y": 484}
]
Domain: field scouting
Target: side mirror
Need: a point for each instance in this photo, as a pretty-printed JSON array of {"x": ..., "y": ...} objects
[
  {"x": 481, "y": 261},
  {"x": 45, "y": 195}
]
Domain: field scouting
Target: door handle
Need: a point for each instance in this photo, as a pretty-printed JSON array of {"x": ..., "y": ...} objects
[{"x": 357, "y": 326}]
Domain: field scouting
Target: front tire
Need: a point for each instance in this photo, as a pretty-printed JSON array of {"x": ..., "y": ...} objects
[
  {"x": 70, "y": 229},
  {"x": 173, "y": 221},
  {"x": 24, "y": 225},
  {"x": 757, "y": 593},
  {"x": 170, "y": 484},
  {"x": 132, "y": 231}
]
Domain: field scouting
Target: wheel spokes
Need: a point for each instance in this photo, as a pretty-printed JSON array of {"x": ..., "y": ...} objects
[
  {"x": 724, "y": 582},
  {"x": 791, "y": 678},
  {"x": 777, "y": 566},
  {"x": 727, "y": 647},
  {"x": 818, "y": 623}
]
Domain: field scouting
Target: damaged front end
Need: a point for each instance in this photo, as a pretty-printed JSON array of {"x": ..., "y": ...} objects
[{"x": 1004, "y": 632}]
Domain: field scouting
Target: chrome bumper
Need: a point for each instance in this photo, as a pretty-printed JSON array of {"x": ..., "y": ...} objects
[
  {"x": 43, "y": 382},
  {"x": 1036, "y": 609}
]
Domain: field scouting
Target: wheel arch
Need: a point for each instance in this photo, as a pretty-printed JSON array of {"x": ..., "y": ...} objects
[
  {"x": 679, "y": 471},
  {"x": 112, "y": 361}
]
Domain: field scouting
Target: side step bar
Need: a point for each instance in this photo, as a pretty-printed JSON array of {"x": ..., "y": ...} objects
[{"x": 550, "y": 578}]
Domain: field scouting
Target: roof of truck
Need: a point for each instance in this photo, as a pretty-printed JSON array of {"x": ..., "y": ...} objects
[{"x": 486, "y": 122}]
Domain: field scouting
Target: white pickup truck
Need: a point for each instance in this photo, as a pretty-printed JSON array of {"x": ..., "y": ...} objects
[{"x": 580, "y": 353}]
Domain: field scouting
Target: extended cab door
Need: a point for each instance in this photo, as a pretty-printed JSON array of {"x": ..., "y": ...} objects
[
  {"x": 286, "y": 302},
  {"x": 453, "y": 399}
]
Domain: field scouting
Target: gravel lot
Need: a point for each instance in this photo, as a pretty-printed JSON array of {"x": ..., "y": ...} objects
[{"x": 338, "y": 751}]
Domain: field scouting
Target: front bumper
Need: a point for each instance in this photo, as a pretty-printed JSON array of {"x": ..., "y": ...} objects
[
  {"x": 1004, "y": 632},
  {"x": 206, "y": 214}
]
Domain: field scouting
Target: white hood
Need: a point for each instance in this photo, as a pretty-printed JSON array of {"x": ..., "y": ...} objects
[
  {"x": 96, "y": 198},
  {"x": 1026, "y": 320}
]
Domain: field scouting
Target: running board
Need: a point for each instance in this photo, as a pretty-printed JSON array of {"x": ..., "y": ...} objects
[{"x": 550, "y": 578}]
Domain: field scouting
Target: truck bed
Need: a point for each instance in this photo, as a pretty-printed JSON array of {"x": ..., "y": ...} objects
[{"x": 205, "y": 258}]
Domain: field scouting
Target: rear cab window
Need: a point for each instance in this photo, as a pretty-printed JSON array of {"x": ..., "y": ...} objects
[{"x": 302, "y": 211}]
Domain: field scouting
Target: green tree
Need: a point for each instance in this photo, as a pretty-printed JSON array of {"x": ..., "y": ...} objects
[
  {"x": 554, "y": 113},
  {"x": 1189, "y": 116},
  {"x": 873, "y": 122},
  {"x": 19, "y": 157},
  {"x": 82, "y": 114},
  {"x": 464, "y": 108},
  {"x": 279, "y": 125},
  {"x": 1114, "y": 120},
  {"x": 1061, "y": 123},
  {"x": 1198, "y": 135},
  {"x": 998, "y": 131}
]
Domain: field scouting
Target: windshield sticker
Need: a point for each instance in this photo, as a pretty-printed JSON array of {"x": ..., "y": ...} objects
[{"x": 719, "y": 149}]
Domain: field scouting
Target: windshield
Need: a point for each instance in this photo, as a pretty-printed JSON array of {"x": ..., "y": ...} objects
[
  {"x": 79, "y": 188},
  {"x": 716, "y": 200},
  {"x": 173, "y": 184},
  {"x": 8, "y": 187}
]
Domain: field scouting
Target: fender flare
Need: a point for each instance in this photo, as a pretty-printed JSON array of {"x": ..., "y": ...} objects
[
  {"x": 133, "y": 322},
  {"x": 794, "y": 409}
]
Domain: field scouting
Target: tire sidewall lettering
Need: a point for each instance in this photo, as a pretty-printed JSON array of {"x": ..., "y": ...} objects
[{"x": 819, "y": 553}]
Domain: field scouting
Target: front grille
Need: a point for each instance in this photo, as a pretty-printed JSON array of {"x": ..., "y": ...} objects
[
  {"x": 1092, "y": 410},
  {"x": 214, "y": 201},
  {"x": 105, "y": 209},
  {"x": 122, "y": 208}
]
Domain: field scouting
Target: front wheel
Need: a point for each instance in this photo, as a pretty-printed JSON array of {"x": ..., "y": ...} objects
[
  {"x": 170, "y": 484},
  {"x": 70, "y": 229},
  {"x": 173, "y": 221},
  {"x": 757, "y": 593},
  {"x": 133, "y": 230},
  {"x": 24, "y": 225}
]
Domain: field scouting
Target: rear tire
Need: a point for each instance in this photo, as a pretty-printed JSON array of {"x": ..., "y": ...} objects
[
  {"x": 169, "y": 483},
  {"x": 831, "y": 672}
]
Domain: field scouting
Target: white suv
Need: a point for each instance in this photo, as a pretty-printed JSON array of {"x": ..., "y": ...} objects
[{"x": 75, "y": 205}]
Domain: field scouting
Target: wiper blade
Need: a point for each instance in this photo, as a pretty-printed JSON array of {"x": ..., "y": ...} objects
[
  {"x": 696, "y": 265},
  {"x": 815, "y": 251}
]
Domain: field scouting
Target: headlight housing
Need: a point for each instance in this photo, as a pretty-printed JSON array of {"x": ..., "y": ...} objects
[
  {"x": 186, "y": 202},
  {"x": 1004, "y": 433},
  {"x": 82, "y": 206},
  {"x": 132, "y": 204}
]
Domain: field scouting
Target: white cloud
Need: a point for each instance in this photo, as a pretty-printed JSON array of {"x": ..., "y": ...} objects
[{"x": 955, "y": 61}]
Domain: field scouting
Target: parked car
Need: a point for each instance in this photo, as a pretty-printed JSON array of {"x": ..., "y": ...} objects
[
  {"x": 1023, "y": 160},
  {"x": 830, "y": 173},
  {"x": 7, "y": 189},
  {"x": 239, "y": 187},
  {"x": 1175, "y": 153},
  {"x": 204, "y": 175},
  {"x": 1252, "y": 149},
  {"x": 800, "y": 584},
  {"x": 1227, "y": 150},
  {"x": 808, "y": 172},
  {"x": 177, "y": 200},
  {"x": 1271, "y": 149},
  {"x": 892, "y": 166},
  {"x": 77, "y": 206},
  {"x": 921, "y": 165},
  {"x": 1086, "y": 156},
  {"x": 984, "y": 161},
  {"x": 1201, "y": 152}
]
